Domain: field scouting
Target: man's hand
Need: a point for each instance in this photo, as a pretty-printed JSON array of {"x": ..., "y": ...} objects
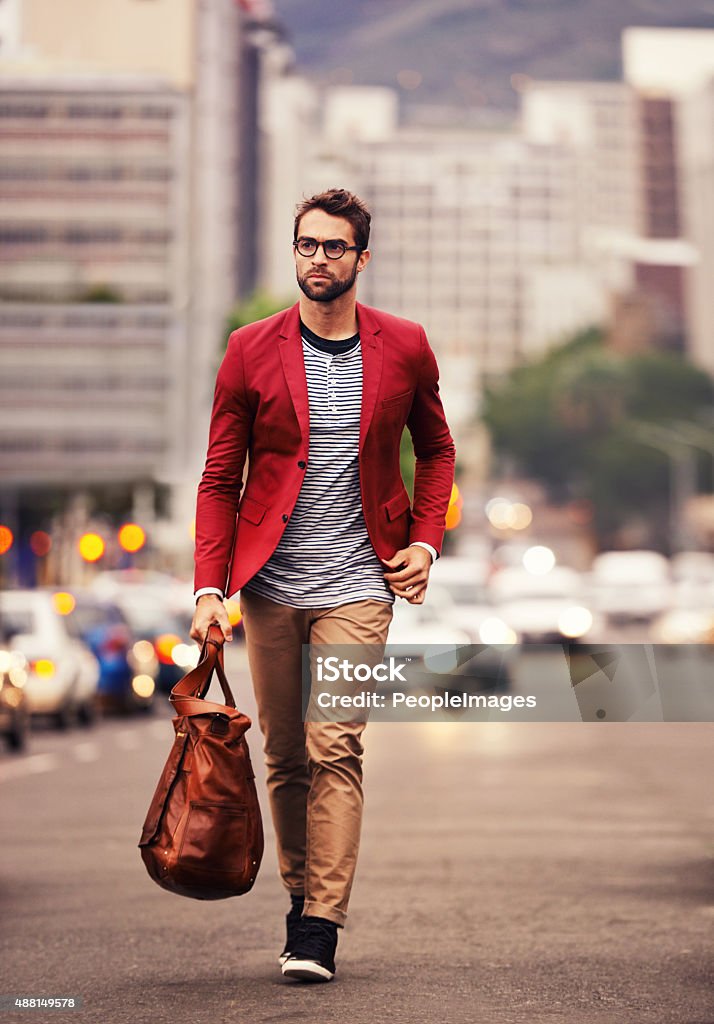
[
  {"x": 210, "y": 609},
  {"x": 410, "y": 573}
]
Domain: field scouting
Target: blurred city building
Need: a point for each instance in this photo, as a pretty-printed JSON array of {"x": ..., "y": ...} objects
[
  {"x": 127, "y": 138},
  {"x": 475, "y": 233},
  {"x": 672, "y": 73},
  {"x": 595, "y": 208}
]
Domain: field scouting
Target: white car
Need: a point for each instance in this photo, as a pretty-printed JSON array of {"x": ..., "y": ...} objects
[
  {"x": 631, "y": 586},
  {"x": 416, "y": 627},
  {"x": 61, "y": 673},
  {"x": 693, "y": 576},
  {"x": 441, "y": 634},
  {"x": 462, "y": 594},
  {"x": 548, "y": 607}
]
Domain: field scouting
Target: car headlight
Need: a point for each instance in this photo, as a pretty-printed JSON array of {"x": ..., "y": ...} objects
[
  {"x": 575, "y": 621},
  {"x": 494, "y": 631},
  {"x": 143, "y": 685},
  {"x": 185, "y": 655}
]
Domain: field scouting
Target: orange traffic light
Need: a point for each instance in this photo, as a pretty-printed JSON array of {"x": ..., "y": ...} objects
[
  {"x": 91, "y": 547},
  {"x": 132, "y": 537},
  {"x": 453, "y": 513}
]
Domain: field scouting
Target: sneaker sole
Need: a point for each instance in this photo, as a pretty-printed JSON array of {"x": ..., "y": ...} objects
[{"x": 306, "y": 970}]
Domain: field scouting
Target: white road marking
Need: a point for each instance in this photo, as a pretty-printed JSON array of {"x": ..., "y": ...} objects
[{"x": 32, "y": 765}]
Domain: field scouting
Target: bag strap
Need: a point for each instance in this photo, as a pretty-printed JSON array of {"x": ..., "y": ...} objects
[{"x": 196, "y": 683}]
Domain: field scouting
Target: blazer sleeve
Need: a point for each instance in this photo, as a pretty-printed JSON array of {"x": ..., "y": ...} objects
[
  {"x": 222, "y": 479},
  {"x": 435, "y": 454}
]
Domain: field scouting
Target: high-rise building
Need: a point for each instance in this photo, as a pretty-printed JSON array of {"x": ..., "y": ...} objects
[
  {"x": 474, "y": 232},
  {"x": 505, "y": 242},
  {"x": 672, "y": 73},
  {"x": 93, "y": 243},
  {"x": 120, "y": 221}
]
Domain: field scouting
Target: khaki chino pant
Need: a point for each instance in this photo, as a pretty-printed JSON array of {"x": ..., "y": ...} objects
[{"x": 314, "y": 768}]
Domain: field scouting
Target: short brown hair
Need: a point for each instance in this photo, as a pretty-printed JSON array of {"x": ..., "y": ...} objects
[{"x": 339, "y": 203}]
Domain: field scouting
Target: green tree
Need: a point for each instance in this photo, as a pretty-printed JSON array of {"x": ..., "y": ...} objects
[
  {"x": 566, "y": 420},
  {"x": 259, "y": 306}
]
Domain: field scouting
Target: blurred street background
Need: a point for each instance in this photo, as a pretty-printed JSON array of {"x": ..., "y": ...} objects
[{"x": 541, "y": 178}]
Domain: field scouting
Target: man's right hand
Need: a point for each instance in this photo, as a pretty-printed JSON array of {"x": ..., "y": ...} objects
[{"x": 210, "y": 609}]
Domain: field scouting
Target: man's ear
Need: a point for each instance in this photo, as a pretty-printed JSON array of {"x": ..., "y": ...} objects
[{"x": 364, "y": 257}]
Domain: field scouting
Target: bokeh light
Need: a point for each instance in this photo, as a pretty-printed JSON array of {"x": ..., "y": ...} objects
[
  {"x": 539, "y": 560},
  {"x": 132, "y": 537},
  {"x": 91, "y": 547},
  {"x": 234, "y": 612},
  {"x": 165, "y": 645},
  {"x": 64, "y": 603},
  {"x": 453, "y": 513},
  {"x": 40, "y": 543},
  {"x": 6, "y": 539},
  {"x": 453, "y": 517}
]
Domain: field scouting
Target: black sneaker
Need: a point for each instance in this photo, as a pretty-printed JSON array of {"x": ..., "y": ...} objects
[
  {"x": 293, "y": 922},
  {"x": 313, "y": 958}
]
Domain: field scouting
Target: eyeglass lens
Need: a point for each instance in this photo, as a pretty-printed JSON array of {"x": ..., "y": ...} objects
[{"x": 333, "y": 248}]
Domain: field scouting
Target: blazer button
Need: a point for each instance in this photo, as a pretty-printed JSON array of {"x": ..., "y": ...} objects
[
  {"x": 285, "y": 518},
  {"x": 301, "y": 464}
]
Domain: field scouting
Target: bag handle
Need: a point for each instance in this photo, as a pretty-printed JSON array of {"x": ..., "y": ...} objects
[{"x": 197, "y": 682}]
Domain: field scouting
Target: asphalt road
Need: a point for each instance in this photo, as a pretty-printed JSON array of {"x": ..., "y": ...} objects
[{"x": 509, "y": 872}]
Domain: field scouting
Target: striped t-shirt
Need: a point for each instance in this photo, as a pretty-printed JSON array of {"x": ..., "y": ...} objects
[{"x": 325, "y": 557}]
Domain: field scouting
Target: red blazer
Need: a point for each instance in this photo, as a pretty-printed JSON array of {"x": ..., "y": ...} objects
[{"x": 260, "y": 410}]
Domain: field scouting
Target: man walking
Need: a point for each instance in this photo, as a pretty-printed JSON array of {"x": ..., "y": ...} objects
[{"x": 316, "y": 398}]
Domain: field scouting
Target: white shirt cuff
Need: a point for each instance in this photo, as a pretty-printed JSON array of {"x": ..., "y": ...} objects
[
  {"x": 427, "y": 547},
  {"x": 208, "y": 590}
]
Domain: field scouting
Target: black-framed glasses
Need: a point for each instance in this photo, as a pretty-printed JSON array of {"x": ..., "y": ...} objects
[{"x": 333, "y": 248}]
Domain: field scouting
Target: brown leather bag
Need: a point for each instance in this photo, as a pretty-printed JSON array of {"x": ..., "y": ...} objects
[{"x": 203, "y": 834}]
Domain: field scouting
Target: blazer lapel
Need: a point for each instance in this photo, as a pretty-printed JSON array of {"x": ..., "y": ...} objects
[
  {"x": 293, "y": 360},
  {"x": 372, "y": 353}
]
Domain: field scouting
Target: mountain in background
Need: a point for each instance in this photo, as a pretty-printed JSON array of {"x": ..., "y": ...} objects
[{"x": 466, "y": 52}]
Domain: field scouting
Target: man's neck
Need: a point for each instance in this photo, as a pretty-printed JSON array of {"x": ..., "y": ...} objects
[{"x": 333, "y": 321}]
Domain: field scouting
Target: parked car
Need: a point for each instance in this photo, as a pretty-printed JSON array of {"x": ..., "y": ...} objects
[
  {"x": 174, "y": 596},
  {"x": 434, "y": 635},
  {"x": 546, "y": 607},
  {"x": 684, "y": 626},
  {"x": 693, "y": 580},
  {"x": 128, "y": 665},
  {"x": 459, "y": 587},
  {"x": 14, "y": 713},
  {"x": 151, "y": 613},
  {"x": 62, "y": 673},
  {"x": 630, "y": 586}
]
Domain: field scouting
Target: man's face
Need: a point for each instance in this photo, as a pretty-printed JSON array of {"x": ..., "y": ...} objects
[{"x": 320, "y": 278}]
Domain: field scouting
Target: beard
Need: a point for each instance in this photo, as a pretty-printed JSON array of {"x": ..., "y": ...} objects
[{"x": 327, "y": 291}]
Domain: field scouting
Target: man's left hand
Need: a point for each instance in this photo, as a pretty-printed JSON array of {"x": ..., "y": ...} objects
[{"x": 409, "y": 574}]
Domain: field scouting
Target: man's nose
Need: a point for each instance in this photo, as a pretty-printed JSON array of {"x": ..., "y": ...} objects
[{"x": 319, "y": 259}]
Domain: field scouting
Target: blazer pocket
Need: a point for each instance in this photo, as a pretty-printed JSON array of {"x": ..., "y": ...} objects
[
  {"x": 396, "y": 399},
  {"x": 252, "y": 511},
  {"x": 397, "y": 506}
]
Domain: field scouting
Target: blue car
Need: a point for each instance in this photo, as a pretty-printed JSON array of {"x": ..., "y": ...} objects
[{"x": 128, "y": 664}]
